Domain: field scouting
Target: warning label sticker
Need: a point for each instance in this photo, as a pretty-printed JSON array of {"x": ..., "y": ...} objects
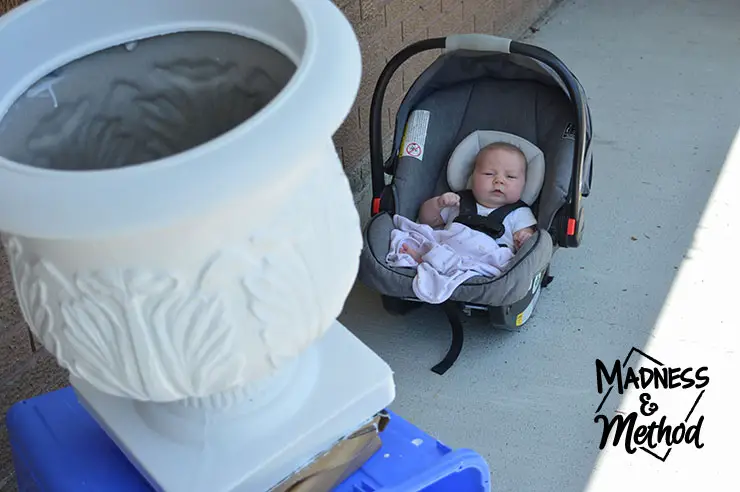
[
  {"x": 415, "y": 137},
  {"x": 570, "y": 131}
]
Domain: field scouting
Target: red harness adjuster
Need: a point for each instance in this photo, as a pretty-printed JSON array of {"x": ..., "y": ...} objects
[{"x": 376, "y": 205}]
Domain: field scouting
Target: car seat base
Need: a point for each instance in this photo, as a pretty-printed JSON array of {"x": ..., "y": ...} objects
[
  {"x": 510, "y": 317},
  {"x": 397, "y": 306}
]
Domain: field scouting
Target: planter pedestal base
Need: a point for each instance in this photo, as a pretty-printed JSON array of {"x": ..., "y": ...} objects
[{"x": 335, "y": 387}]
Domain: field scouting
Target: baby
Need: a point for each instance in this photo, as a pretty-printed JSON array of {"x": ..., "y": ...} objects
[{"x": 499, "y": 175}]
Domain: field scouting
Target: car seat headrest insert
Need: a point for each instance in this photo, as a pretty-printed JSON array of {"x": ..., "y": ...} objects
[{"x": 462, "y": 160}]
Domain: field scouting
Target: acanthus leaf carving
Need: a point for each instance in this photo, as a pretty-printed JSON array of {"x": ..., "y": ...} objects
[
  {"x": 131, "y": 332},
  {"x": 152, "y": 333},
  {"x": 293, "y": 292},
  {"x": 283, "y": 277},
  {"x": 93, "y": 332}
]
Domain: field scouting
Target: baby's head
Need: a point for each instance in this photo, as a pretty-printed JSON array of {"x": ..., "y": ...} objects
[{"x": 499, "y": 175}]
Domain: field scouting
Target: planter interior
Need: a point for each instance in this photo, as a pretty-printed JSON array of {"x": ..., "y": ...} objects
[{"x": 142, "y": 101}]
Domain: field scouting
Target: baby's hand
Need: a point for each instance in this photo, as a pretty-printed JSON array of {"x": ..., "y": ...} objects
[
  {"x": 521, "y": 236},
  {"x": 448, "y": 199}
]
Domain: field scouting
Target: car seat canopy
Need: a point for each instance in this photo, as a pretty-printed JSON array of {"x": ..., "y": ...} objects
[{"x": 462, "y": 160}]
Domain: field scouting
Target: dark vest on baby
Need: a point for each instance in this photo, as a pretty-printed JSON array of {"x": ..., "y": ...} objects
[{"x": 491, "y": 224}]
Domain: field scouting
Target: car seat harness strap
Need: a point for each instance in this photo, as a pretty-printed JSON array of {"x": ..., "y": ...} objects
[
  {"x": 491, "y": 224},
  {"x": 453, "y": 316}
]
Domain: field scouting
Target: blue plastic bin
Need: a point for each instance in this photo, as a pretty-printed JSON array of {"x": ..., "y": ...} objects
[{"x": 58, "y": 447}]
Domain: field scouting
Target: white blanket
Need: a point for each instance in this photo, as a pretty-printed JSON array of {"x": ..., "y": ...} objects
[{"x": 450, "y": 256}]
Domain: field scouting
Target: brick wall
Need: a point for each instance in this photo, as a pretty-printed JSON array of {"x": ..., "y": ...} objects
[
  {"x": 384, "y": 27},
  {"x": 6, "y": 5}
]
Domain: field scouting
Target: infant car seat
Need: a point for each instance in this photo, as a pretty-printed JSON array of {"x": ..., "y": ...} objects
[{"x": 481, "y": 89}]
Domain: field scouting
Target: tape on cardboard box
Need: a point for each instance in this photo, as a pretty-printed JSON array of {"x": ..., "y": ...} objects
[{"x": 335, "y": 465}]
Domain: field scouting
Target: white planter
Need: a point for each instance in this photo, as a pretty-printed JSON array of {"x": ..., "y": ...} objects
[{"x": 192, "y": 274}]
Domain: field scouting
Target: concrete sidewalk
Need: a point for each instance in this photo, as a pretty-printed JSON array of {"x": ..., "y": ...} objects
[{"x": 655, "y": 272}]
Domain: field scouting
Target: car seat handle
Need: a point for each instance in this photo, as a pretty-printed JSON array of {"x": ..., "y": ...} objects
[{"x": 477, "y": 42}]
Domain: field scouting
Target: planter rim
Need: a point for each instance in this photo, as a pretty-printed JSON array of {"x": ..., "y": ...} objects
[{"x": 56, "y": 204}]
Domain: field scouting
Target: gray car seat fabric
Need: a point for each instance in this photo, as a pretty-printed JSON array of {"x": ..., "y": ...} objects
[
  {"x": 461, "y": 97},
  {"x": 506, "y": 289}
]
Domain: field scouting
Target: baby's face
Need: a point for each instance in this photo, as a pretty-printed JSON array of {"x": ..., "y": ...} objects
[{"x": 498, "y": 177}]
